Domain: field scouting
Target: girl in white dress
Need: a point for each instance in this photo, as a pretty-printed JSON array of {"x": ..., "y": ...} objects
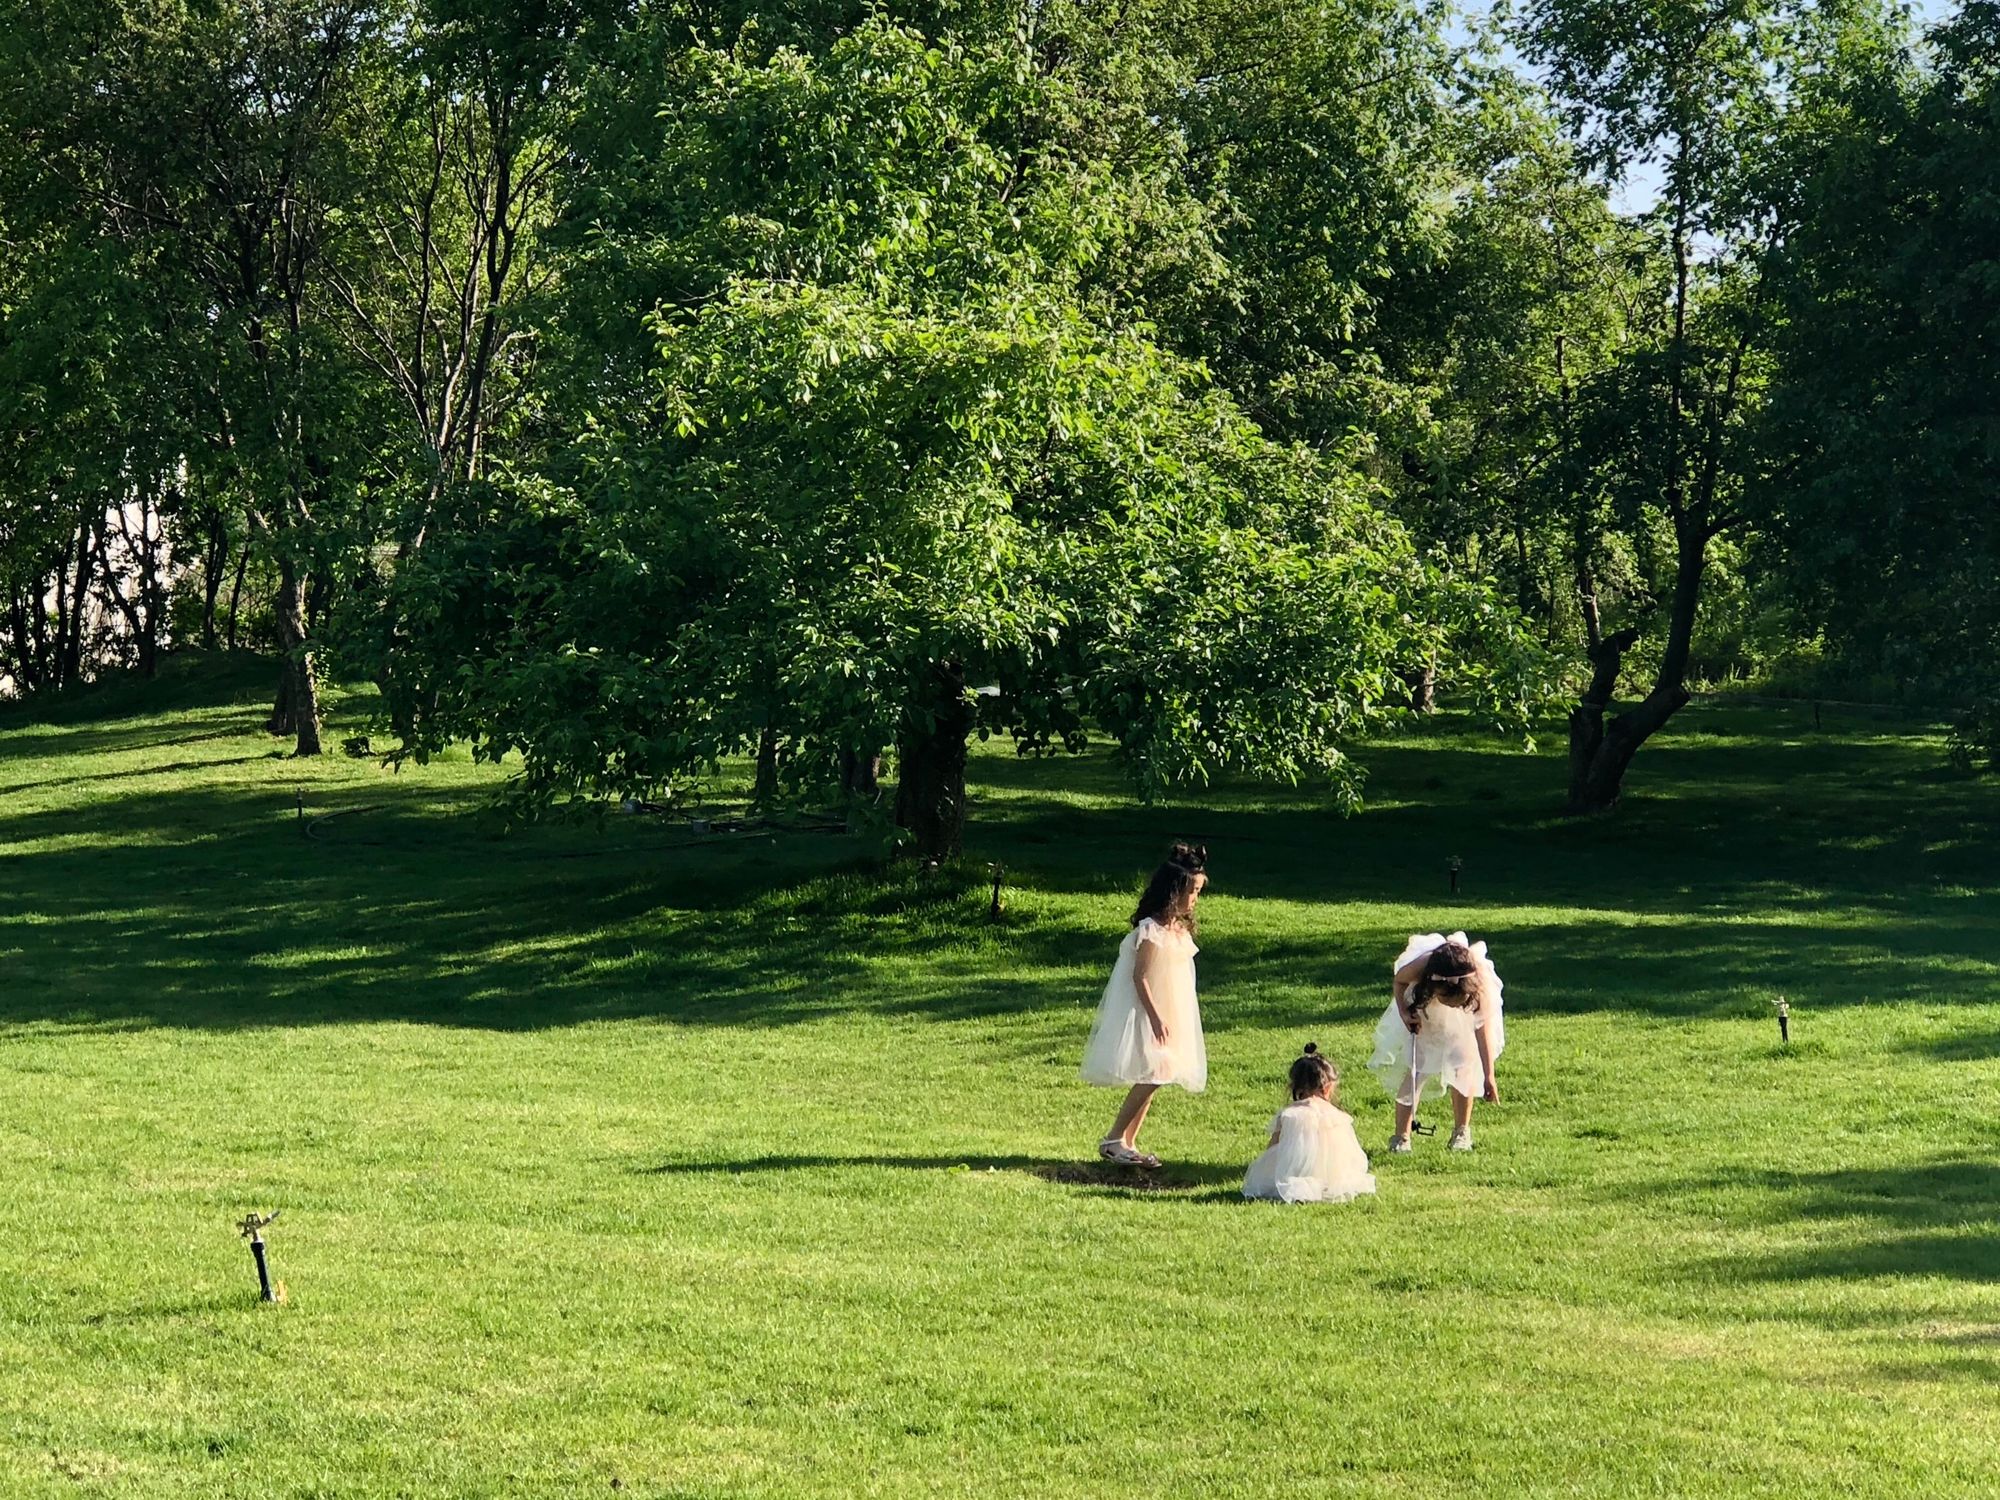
[
  {"x": 1148, "y": 1028},
  {"x": 1443, "y": 1026},
  {"x": 1314, "y": 1156}
]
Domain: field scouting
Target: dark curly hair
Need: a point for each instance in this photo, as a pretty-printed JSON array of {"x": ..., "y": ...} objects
[
  {"x": 1169, "y": 892},
  {"x": 1312, "y": 1073},
  {"x": 1450, "y": 977}
]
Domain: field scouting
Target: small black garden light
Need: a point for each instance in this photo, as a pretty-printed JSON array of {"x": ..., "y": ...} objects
[
  {"x": 1454, "y": 865},
  {"x": 998, "y": 906}
]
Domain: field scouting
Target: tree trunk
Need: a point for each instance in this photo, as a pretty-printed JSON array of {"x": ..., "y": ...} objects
[
  {"x": 1586, "y": 720},
  {"x": 152, "y": 600},
  {"x": 27, "y": 665},
  {"x": 861, "y": 773},
  {"x": 214, "y": 562},
  {"x": 149, "y": 643},
  {"x": 1422, "y": 684},
  {"x": 87, "y": 558},
  {"x": 280, "y": 721},
  {"x": 140, "y": 569},
  {"x": 1600, "y": 752},
  {"x": 930, "y": 775},
  {"x": 296, "y": 710},
  {"x": 38, "y": 629},
  {"x": 860, "y": 782},
  {"x": 766, "y": 793},
  {"x": 60, "y": 654},
  {"x": 316, "y": 594},
  {"x": 236, "y": 592}
]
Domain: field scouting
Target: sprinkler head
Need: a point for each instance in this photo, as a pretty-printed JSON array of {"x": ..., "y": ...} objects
[{"x": 254, "y": 1224}]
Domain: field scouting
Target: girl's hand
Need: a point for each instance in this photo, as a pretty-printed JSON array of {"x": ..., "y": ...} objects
[
  {"x": 1159, "y": 1027},
  {"x": 1492, "y": 1090}
]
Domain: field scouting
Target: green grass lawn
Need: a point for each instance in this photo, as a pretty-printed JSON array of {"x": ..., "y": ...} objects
[{"x": 611, "y": 1158}]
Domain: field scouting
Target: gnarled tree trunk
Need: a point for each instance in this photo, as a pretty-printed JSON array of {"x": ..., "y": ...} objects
[
  {"x": 930, "y": 777},
  {"x": 1600, "y": 751}
]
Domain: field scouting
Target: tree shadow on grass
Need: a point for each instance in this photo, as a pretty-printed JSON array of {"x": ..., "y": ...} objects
[
  {"x": 200, "y": 905},
  {"x": 1180, "y": 1179},
  {"x": 134, "y": 773},
  {"x": 1950, "y": 1191},
  {"x": 1965, "y": 1256},
  {"x": 32, "y": 744},
  {"x": 1936, "y": 1219},
  {"x": 212, "y": 919},
  {"x": 1984, "y": 1369},
  {"x": 1971, "y": 1046}
]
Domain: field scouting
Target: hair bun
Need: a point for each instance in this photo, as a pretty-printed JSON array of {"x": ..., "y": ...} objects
[
  {"x": 1312, "y": 1049},
  {"x": 1190, "y": 857}
]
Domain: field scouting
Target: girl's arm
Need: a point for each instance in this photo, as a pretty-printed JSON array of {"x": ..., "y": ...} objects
[
  {"x": 1143, "y": 959},
  {"x": 1406, "y": 976},
  {"x": 1486, "y": 1063}
]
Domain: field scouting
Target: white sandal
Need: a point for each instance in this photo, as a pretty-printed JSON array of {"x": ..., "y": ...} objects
[{"x": 1115, "y": 1150}]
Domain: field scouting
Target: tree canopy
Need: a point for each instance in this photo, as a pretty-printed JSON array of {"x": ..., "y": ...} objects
[
  {"x": 630, "y": 386},
  {"x": 1886, "y": 417}
]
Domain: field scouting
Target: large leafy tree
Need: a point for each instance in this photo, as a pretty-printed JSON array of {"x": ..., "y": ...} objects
[
  {"x": 435, "y": 284},
  {"x": 1886, "y": 415},
  {"x": 1706, "y": 94},
  {"x": 892, "y": 457},
  {"x": 93, "y": 422},
  {"x": 1380, "y": 244},
  {"x": 204, "y": 154},
  {"x": 1321, "y": 145},
  {"x": 1485, "y": 349}
]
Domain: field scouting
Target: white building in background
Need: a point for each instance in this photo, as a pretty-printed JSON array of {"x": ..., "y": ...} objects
[{"x": 131, "y": 571}]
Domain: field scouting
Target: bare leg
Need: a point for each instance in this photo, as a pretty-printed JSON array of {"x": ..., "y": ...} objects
[
  {"x": 1406, "y": 1111},
  {"x": 1461, "y": 1110},
  {"x": 1132, "y": 1113}
]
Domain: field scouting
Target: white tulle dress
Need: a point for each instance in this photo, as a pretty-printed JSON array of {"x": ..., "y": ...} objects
[
  {"x": 1446, "y": 1050},
  {"x": 1317, "y": 1158},
  {"x": 1121, "y": 1049}
]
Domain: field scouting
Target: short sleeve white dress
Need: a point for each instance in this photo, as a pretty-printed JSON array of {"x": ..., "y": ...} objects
[
  {"x": 1446, "y": 1046},
  {"x": 1317, "y": 1158},
  {"x": 1121, "y": 1049}
]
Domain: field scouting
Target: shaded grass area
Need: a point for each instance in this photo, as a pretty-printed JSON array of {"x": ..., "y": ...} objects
[{"x": 730, "y": 1166}]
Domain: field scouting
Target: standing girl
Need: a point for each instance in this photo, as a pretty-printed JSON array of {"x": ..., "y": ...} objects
[
  {"x": 1148, "y": 1028},
  {"x": 1443, "y": 1025}
]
